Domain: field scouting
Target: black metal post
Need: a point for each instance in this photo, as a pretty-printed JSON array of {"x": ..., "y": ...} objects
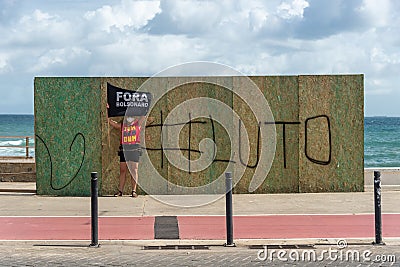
[
  {"x": 94, "y": 209},
  {"x": 378, "y": 208},
  {"x": 229, "y": 217}
]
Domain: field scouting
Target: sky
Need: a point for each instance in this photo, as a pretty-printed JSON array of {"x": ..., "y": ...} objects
[{"x": 141, "y": 38}]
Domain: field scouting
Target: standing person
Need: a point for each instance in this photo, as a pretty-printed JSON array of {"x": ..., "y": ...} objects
[{"x": 129, "y": 150}]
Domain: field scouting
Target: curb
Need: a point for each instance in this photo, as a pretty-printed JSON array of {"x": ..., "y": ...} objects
[{"x": 240, "y": 243}]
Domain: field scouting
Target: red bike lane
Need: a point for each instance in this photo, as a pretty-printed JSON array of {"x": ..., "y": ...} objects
[{"x": 200, "y": 227}]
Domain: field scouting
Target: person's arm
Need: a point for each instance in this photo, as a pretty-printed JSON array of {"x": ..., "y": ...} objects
[{"x": 114, "y": 124}]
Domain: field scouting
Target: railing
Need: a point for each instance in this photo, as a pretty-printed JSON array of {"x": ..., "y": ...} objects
[{"x": 26, "y": 146}]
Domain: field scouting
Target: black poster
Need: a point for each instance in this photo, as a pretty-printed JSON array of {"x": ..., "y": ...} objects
[{"x": 120, "y": 99}]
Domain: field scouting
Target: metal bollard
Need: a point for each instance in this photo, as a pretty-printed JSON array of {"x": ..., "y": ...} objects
[
  {"x": 94, "y": 211},
  {"x": 378, "y": 208},
  {"x": 229, "y": 217}
]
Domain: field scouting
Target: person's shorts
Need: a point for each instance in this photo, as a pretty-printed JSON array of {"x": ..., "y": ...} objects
[{"x": 132, "y": 153}]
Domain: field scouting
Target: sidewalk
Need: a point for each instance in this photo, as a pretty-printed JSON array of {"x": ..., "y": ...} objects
[
  {"x": 26, "y": 216},
  {"x": 29, "y": 204}
]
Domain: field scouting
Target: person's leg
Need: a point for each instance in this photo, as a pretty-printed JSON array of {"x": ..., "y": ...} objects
[
  {"x": 133, "y": 168},
  {"x": 122, "y": 176}
]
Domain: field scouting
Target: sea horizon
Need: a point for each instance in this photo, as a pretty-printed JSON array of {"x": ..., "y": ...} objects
[{"x": 381, "y": 138}]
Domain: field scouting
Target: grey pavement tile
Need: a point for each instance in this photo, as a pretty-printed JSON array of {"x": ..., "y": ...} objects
[{"x": 120, "y": 255}]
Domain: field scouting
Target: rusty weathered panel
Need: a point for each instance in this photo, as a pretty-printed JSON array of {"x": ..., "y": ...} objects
[
  {"x": 282, "y": 97},
  {"x": 68, "y": 135},
  {"x": 307, "y": 158},
  {"x": 331, "y": 135},
  {"x": 201, "y": 127},
  {"x": 249, "y": 123},
  {"x": 222, "y": 130},
  {"x": 153, "y": 132}
]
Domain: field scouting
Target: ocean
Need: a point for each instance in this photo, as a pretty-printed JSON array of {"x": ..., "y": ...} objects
[
  {"x": 16, "y": 125},
  {"x": 382, "y": 142},
  {"x": 381, "y": 138}
]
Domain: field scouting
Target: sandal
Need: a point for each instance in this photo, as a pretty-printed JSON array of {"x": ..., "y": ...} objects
[
  {"x": 134, "y": 195},
  {"x": 118, "y": 194}
]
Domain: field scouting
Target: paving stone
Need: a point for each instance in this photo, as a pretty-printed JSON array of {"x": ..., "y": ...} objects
[{"x": 25, "y": 254}]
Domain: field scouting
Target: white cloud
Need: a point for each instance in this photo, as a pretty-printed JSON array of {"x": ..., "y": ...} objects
[
  {"x": 38, "y": 28},
  {"x": 194, "y": 15},
  {"x": 55, "y": 58},
  {"x": 3, "y": 63},
  {"x": 377, "y": 12},
  {"x": 257, "y": 19},
  {"x": 130, "y": 38},
  {"x": 128, "y": 13},
  {"x": 37, "y": 18},
  {"x": 141, "y": 54},
  {"x": 378, "y": 55},
  {"x": 189, "y": 17},
  {"x": 293, "y": 9}
]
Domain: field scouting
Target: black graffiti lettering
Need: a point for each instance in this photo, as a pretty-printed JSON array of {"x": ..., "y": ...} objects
[
  {"x": 51, "y": 161},
  {"x": 283, "y": 123},
  {"x": 174, "y": 124},
  {"x": 215, "y": 159},
  {"x": 213, "y": 137},
  {"x": 316, "y": 161},
  {"x": 284, "y": 144},
  {"x": 258, "y": 146},
  {"x": 162, "y": 141},
  {"x": 162, "y": 148},
  {"x": 190, "y": 137},
  {"x": 172, "y": 148},
  {"x": 224, "y": 160}
]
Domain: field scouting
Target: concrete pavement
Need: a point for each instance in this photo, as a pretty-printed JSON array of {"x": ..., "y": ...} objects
[
  {"x": 272, "y": 216},
  {"x": 123, "y": 215},
  {"x": 29, "y": 204}
]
